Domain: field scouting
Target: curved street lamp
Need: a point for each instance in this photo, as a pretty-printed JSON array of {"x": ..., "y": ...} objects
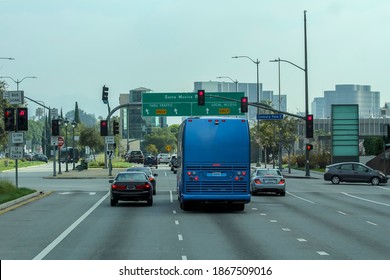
[
  {"x": 17, "y": 81},
  {"x": 234, "y": 81},
  {"x": 257, "y": 62}
]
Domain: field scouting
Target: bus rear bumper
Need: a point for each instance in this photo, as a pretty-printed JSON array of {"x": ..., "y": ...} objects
[{"x": 242, "y": 199}]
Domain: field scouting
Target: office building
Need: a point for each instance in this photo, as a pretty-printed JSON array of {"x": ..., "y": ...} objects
[{"x": 368, "y": 101}]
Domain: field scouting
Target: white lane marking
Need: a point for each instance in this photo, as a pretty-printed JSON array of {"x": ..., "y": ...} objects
[
  {"x": 92, "y": 193},
  {"x": 184, "y": 258},
  {"x": 263, "y": 214},
  {"x": 254, "y": 208},
  {"x": 342, "y": 213},
  {"x": 174, "y": 211},
  {"x": 170, "y": 196},
  {"x": 180, "y": 237},
  {"x": 273, "y": 221},
  {"x": 322, "y": 253},
  {"x": 286, "y": 229},
  {"x": 176, "y": 222},
  {"x": 371, "y": 223},
  {"x": 64, "y": 234},
  {"x": 304, "y": 199},
  {"x": 368, "y": 200},
  {"x": 301, "y": 240}
]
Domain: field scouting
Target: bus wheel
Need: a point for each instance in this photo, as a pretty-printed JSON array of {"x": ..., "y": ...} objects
[{"x": 184, "y": 205}]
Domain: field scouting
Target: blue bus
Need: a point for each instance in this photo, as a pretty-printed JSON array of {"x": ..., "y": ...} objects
[{"x": 214, "y": 162}]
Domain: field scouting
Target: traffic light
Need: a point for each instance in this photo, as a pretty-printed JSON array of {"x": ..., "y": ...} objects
[
  {"x": 201, "y": 97},
  {"x": 22, "y": 119},
  {"x": 309, "y": 147},
  {"x": 105, "y": 95},
  {"x": 116, "y": 128},
  {"x": 309, "y": 126},
  {"x": 9, "y": 119},
  {"x": 55, "y": 128},
  {"x": 103, "y": 128},
  {"x": 244, "y": 104}
]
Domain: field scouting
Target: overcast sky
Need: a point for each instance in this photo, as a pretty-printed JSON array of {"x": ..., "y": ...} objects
[{"x": 75, "y": 47}]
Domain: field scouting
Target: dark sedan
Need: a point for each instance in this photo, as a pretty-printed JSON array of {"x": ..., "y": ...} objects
[
  {"x": 40, "y": 157},
  {"x": 131, "y": 186},
  {"x": 353, "y": 172},
  {"x": 148, "y": 171}
]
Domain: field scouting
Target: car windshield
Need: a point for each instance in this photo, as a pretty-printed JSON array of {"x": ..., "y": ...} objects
[
  {"x": 131, "y": 177},
  {"x": 270, "y": 172}
]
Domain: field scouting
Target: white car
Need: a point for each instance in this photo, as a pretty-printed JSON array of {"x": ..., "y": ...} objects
[{"x": 163, "y": 158}]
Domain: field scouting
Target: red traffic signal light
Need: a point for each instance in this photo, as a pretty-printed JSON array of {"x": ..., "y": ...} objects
[
  {"x": 309, "y": 147},
  {"x": 22, "y": 119},
  {"x": 9, "y": 119},
  {"x": 244, "y": 104},
  {"x": 309, "y": 126},
  {"x": 103, "y": 128},
  {"x": 201, "y": 97}
]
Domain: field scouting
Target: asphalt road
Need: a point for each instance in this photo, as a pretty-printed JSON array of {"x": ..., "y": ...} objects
[{"x": 314, "y": 221}]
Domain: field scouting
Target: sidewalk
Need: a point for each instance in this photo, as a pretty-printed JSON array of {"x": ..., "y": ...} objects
[{"x": 295, "y": 173}]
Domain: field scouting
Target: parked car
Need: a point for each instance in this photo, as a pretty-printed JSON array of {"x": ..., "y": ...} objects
[
  {"x": 163, "y": 158},
  {"x": 148, "y": 171},
  {"x": 268, "y": 180},
  {"x": 40, "y": 157},
  {"x": 136, "y": 157},
  {"x": 28, "y": 156},
  {"x": 353, "y": 172},
  {"x": 131, "y": 186}
]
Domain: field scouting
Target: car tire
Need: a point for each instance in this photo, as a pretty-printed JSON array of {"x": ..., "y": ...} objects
[
  {"x": 154, "y": 191},
  {"x": 283, "y": 193},
  {"x": 113, "y": 202},
  {"x": 375, "y": 181},
  {"x": 149, "y": 202},
  {"x": 335, "y": 180}
]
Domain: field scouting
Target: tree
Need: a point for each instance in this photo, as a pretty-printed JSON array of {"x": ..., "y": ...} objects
[
  {"x": 76, "y": 113},
  {"x": 161, "y": 138},
  {"x": 89, "y": 136}
]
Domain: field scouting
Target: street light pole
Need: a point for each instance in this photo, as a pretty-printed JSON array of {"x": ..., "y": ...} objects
[
  {"x": 234, "y": 81},
  {"x": 257, "y": 62},
  {"x": 280, "y": 140},
  {"x": 307, "y": 164},
  {"x": 66, "y": 122},
  {"x": 74, "y": 124}
]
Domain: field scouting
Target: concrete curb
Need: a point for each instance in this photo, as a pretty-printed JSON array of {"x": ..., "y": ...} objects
[{"x": 22, "y": 199}]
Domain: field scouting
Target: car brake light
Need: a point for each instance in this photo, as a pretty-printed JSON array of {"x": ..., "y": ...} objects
[
  {"x": 142, "y": 187},
  {"x": 118, "y": 187},
  {"x": 281, "y": 182},
  {"x": 243, "y": 173},
  {"x": 257, "y": 181}
]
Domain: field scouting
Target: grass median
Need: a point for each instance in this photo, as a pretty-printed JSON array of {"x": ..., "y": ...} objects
[{"x": 8, "y": 191}]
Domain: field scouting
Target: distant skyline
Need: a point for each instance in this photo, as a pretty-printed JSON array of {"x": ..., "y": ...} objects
[{"x": 76, "y": 47}]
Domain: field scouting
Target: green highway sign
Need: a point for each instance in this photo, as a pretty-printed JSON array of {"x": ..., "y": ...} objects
[{"x": 186, "y": 104}]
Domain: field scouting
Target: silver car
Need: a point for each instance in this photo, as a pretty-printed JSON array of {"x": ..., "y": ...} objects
[{"x": 268, "y": 180}]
